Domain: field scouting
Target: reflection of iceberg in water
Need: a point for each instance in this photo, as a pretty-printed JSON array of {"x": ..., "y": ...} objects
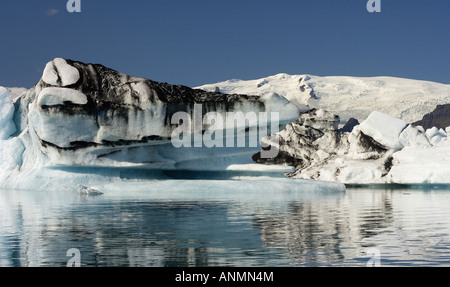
[
  {"x": 141, "y": 227},
  {"x": 408, "y": 227},
  {"x": 144, "y": 225}
]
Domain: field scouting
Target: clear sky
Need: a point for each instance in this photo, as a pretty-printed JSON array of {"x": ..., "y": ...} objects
[{"x": 195, "y": 42}]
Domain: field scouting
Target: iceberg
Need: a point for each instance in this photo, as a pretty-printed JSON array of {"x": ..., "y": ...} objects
[
  {"x": 381, "y": 150},
  {"x": 422, "y": 165},
  {"x": 384, "y": 129},
  {"x": 86, "y": 124},
  {"x": 88, "y": 191}
]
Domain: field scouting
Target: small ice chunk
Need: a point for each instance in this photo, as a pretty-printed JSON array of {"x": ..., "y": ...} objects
[
  {"x": 411, "y": 136},
  {"x": 432, "y": 132},
  {"x": 436, "y": 135},
  {"x": 385, "y": 129},
  {"x": 84, "y": 190},
  {"x": 59, "y": 73},
  {"x": 59, "y": 96}
]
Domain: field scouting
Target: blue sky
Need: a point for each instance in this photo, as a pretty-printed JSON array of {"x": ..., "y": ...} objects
[{"x": 195, "y": 42}]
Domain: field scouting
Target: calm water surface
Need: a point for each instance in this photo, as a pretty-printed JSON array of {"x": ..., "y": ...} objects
[{"x": 409, "y": 227}]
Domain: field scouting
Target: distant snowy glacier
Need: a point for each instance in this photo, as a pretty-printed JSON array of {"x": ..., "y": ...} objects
[
  {"x": 90, "y": 125},
  {"x": 348, "y": 97}
]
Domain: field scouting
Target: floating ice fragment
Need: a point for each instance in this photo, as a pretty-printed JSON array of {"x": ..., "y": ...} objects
[{"x": 84, "y": 190}]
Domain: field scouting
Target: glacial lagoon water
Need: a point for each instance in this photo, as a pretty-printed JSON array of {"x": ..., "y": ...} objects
[{"x": 387, "y": 225}]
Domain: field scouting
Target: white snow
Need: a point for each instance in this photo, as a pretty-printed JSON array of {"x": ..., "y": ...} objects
[
  {"x": 59, "y": 96},
  {"x": 348, "y": 97},
  {"x": 7, "y": 126},
  {"x": 59, "y": 70}
]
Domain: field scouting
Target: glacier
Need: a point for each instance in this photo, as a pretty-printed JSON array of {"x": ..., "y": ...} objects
[
  {"x": 348, "y": 97},
  {"x": 86, "y": 124}
]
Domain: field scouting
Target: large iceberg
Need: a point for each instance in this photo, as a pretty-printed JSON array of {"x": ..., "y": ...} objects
[{"x": 88, "y": 124}]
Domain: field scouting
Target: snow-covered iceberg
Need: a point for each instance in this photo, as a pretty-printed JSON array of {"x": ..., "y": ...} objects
[{"x": 88, "y": 124}]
